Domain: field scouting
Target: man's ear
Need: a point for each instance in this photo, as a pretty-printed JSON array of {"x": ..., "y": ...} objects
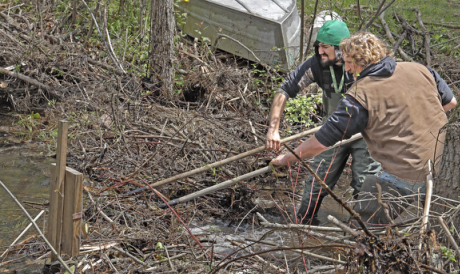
[{"x": 338, "y": 55}]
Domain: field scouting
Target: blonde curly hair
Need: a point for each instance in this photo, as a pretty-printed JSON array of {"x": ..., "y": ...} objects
[{"x": 365, "y": 49}]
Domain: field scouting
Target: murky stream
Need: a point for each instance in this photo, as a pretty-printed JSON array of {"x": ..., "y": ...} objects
[{"x": 23, "y": 170}]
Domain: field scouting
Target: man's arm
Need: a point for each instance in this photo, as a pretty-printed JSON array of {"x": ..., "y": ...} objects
[
  {"x": 296, "y": 81},
  {"x": 349, "y": 118},
  {"x": 448, "y": 100},
  {"x": 450, "y": 105},
  {"x": 273, "y": 141},
  {"x": 310, "y": 148}
]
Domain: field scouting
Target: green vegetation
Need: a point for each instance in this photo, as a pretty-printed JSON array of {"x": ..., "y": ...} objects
[
  {"x": 301, "y": 108},
  {"x": 436, "y": 15}
]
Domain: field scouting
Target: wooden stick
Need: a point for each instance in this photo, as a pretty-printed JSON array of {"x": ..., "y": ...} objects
[
  {"x": 225, "y": 161},
  {"x": 382, "y": 204},
  {"x": 23, "y": 232},
  {"x": 310, "y": 230},
  {"x": 342, "y": 226},
  {"x": 449, "y": 235},
  {"x": 131, "y": 256},
  {"x": 218, "y": 187},
  {"x": 426, "y": 210},
  {"x": 237, "y": 179}
]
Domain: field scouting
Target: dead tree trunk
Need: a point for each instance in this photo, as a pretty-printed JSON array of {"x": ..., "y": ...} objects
[
  {"x": 162, "y": 37},
  {"x": 447, "y": 183}
]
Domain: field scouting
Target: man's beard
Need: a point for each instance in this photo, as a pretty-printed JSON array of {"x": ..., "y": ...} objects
[
  {"x": 337, "y": 59},
  {"x": 328, "y": 62}
]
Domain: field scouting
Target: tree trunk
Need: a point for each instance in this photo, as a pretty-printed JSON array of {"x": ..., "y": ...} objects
[
  {"x": 162, "y": 37},
  {"x": 447, "y": 183}
]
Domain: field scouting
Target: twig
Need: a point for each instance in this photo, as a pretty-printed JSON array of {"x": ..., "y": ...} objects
[
  {"x": 236, "y": 229},
  {"x": 426, "y": 210},
  {"x": 384, "y": 205},
  {"x": 401, "y": 38},
  {"x": 418, "y": 14},
  {"x": 342, "y": 226},
  {"x": 438, "y": 44},
  {"x": 98, "y": 209},
  {"x": 311, "y": 30},
  {"x": 158, "y": 262},
  {"x": 373, "y": 18},
  {"x": 390, "y": 37},
  {"x": 109, "y": 41},
  {"x": 37, "y": 228},
  {"x": 234, "y": 40},
  {"x": 256, "y": 256},
  {"x": 110, "y": 263},
  {"x": 169, "y": 259},
  {"x": 130, "y": 255},
  {"x": 449, "y": 235},
  {"x": 23, "y": 232}
]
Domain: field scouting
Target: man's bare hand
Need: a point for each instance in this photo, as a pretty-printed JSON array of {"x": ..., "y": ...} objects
[
  {"x": 281, "y": 160},
  {"x": 273, "y": 139}
]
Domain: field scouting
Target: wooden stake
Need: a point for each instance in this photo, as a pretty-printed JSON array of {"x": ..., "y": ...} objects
[
  {"x": 57, "y": 191},
  {"x": 72, "y": 213}
]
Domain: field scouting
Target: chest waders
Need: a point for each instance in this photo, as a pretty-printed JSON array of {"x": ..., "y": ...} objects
[
  {"x": 363, "y": 164},
  {"x": 331, "y": 92}
]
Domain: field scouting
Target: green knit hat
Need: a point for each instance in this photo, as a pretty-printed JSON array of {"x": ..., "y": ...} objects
[{"x": 332, "y": 32}]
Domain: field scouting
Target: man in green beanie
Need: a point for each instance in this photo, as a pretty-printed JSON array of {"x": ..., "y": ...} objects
[{"x": 327, "y": 70}]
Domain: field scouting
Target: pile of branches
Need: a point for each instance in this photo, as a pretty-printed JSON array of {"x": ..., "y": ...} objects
[{"x": 127, "y": 133}]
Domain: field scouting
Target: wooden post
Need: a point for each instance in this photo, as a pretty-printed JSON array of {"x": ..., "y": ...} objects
[
  {"x": 72, "y": 213},
  {"x": 57, "y": 191}
]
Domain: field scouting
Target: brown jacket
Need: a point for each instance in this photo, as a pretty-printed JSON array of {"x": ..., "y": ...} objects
[{"x": 405, "y": 118}]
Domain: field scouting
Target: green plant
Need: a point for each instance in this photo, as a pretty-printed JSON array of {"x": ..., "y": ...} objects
[
  {"x": 29, "y": 124},
  {"x": 300, "y": 109},
  {"x": 448, "y": 253}
]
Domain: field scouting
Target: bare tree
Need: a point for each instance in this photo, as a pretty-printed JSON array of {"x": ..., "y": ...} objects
[
  {"x": 162, "y": 37},
  {"x": 448, "y": 180}
]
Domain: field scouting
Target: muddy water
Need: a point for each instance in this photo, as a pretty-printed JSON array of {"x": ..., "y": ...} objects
[
  {"x": 219, "y": 231},
  {"x": 24, "y": 169}
]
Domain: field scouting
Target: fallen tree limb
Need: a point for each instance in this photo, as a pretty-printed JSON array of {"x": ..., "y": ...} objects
[{"x": 32, "y": 81}]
